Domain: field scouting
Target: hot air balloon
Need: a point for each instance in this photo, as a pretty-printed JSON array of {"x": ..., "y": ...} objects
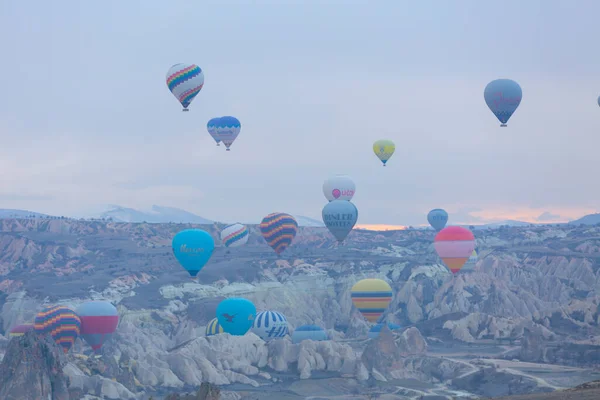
[
  {"x": 437, "y": 218},
  {"x": 20, "y": 330},
  {"x": 375, "y": 329},
  {"x": 61, "y": 323},
  {"x": 234, "y": 235},
  {"x": 270, "y": 325},
  {"x": 185, "y": 81},
  {"x": 599, "y": 100},
  {"x": 340, "y": 217},
  {"x": 503, "y": 97},
  {"x": 227, "y": 130},
  {"x": 471, "y": 262},
  {"x": 211, "y": 126},
  {"x": 236, "y": 315},
  {"x": 279, "y": 230},
  {"x": 99, "y": 320},
  {"x": 384, "y": 149},
  {"x": 213, "y": 327},
  {"x": 193, "y": 248},
  {"x": 339, "y": 187},
  {"x": 454, "y": 245},
  {"x": 309, "y": 332},
  {"x": 371, "y": 297}
]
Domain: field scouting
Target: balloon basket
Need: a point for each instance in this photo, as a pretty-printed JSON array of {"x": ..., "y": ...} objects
[
  {"x": 185, "y": 110},
  {"x": 503, "y": 125},
  {"x": 218, "y": 144},
  {"x": 227, "y": 149}
]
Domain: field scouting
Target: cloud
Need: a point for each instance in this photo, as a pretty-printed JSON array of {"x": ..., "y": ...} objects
[{"x": 548, "y": 216}]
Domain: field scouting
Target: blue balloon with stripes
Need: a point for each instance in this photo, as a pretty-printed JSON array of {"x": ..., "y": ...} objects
[
  {"x": 309, "y": 332},
  {"x": 269, "y": 325}
]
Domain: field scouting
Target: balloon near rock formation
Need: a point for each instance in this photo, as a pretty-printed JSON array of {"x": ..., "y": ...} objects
[
  {"x": 454, "y": 245},
  {"x": 371, "y": 297}
]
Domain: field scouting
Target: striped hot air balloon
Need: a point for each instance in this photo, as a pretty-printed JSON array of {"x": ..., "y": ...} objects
[
  {"x": 309, "y": 332},
  {"x": 62, "y": 323},
  {"x": 234, "y": 235},
  {"x": 185, "y": 81},
  {"x": 371, "y": 297},
  {"x": 279, "y": 229},
  {"x": 213, "y": 327},
  {"x": 20, "y": 330},
  {"x": 99, "y": 320},
  {"x": 270, "y": 325},
  {"x": 454, "y": 245}
]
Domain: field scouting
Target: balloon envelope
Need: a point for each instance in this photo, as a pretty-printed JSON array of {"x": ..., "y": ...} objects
[
  {"x": 62, "y": 323},
  {"x": 471, "y": 262},
  {"x": 214, "y": 328},
  {"x": 437, "y": 218},
  {"x": 309, "y": 332},
  {"x": 376, "y": 329},
  {"x": 193, "y": 248},
  {"x": 20, "y": 330},
  {"x": 270, "y": 325},
  {"x": 279, "y": 230},
  {"x": 211, "y": 126},
  {"x": 99, "y": 320},
  {"x": 339, "y": 187},
  {"x": 185, "y": 81},
  {"x": 503, "y": 97},
  {"x": 454, "y": 245},
  {"x": 227, "y": 130},
  {"x": 339, "y": 217},
  {"x": 234, "y": 235},
  {"x": 371, "y": 297},
  {"x": 384, "y": 149},
  {"x": 236, "y": 315}
]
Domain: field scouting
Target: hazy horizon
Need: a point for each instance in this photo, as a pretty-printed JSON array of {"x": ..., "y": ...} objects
[{"x": 87, "y": 119}]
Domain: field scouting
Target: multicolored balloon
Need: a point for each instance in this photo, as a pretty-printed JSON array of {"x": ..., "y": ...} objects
[
  {"x": 454, "y": 245},
  {"x": 185, "y": 82},
  {"x": 99, "y": 320},
  {"x": 20, "y": 330},
  {"x": 384, "y": 149},
  {"x": 503, "y": 97},
  {"x": 227, "y": 130},
  {"x": 279, "y": 230},
  {"x": 371, "y": 297},
  {"x": 270, "y": 325},
  {"x": 213, "y": 327},
  {"x": 339, "y": 187},
  {"x": 234, "y": 235},
  {"x": 62, "y": 323},
  {"x": 437, "y": 218},
  {"x": 376, "y": 329},
  {"x": 236, "y": 315},
  {"x": 211, "y": 126},
  {"x": 339, "y": 217},
  {"x": 193, "y": 248},
  {"x": 309, "y": 332},
  {"x": 471, "y": 263}
]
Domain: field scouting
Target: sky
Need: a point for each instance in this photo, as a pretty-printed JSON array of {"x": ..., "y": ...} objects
[{"x": 86, "y": 118}]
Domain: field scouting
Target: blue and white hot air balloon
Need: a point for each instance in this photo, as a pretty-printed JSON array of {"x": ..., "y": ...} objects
[
  {"x": 185, "y": 82},
  {"x": 234, "y": 235},
  {"x": 309, "y": 332},
  {"x": 339, "y": 217},
  {"x": 211, "y": 127},
  {"x": 503, "y": 97},
  {"x": 437, "y": 218},
  {"x": 227, "y": 130},
  {"x": 270, "y": 325}
]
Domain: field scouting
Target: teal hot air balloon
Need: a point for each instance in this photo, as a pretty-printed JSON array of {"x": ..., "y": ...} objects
[
  {"x": 437, "y": 218},
  {"x": 236, "y": 315},
  {"x": 503, "y": 97},
  {"x": 340, "y": 217},
  {"x": 193, "y": 248}
]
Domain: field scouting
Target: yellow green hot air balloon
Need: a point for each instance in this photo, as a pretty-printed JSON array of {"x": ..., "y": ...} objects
[
  {"x": 384, "y": 149},
  {"x": 371, "y": 297}
]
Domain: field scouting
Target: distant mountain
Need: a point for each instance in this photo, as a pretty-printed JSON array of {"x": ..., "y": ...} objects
[
  {"x": 9, "y": 213},
  {"x": 306, "y": 221},
  {"x": 590, "y": 219},
  {"x": 158, "y": 214}
]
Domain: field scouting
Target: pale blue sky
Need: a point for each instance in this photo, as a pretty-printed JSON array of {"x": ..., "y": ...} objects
[{"x": 86, "y": 118}]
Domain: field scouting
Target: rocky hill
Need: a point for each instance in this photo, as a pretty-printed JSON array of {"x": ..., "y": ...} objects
[{"x": 525, "y": 319}]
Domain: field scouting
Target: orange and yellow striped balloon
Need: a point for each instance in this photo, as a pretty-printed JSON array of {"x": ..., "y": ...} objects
[
  {"x": 371, "y": 297},
  {"x": 454, "y": 245}
]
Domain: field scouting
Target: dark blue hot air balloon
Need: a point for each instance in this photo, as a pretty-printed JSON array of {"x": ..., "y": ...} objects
[
  {"x": 437, "y": 218},
  {"x": 339, "y": 217},
  {"x": 503, "y": 97}
]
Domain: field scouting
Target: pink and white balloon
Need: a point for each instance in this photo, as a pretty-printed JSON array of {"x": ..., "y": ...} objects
[{"x": 339, "y": 187}]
